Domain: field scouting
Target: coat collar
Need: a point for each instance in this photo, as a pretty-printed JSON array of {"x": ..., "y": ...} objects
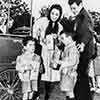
[{"x": 72, "y": 44}]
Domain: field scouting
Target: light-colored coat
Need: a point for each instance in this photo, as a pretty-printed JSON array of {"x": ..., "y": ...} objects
[
  {"x": 70, "y": 60},
  {"x": 40, "y": 26},
  {"x": 27, "y": 66},
  {"x": 39, "y": 29}
]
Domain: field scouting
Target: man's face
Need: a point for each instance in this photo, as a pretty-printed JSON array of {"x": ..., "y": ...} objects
[{"x": 75, "y": 8}]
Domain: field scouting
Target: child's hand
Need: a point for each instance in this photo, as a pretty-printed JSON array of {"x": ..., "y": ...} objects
[
  {"x": 57, "y": 61},
  {"x": 41, "y": 69},
  {"x": 64, "y": 70}
]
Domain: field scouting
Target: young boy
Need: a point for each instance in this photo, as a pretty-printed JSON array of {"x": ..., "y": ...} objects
[
  {"x": 69, "y": 62},
  {"x": 28, "y": 65}
]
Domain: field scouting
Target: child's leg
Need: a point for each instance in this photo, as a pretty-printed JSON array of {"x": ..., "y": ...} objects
[
  {"x": 30, "y": 95},
  {"x": 47, "y": 90},
  {"x": 36, "y": 88},
  {"x": 71, "y": 94},
  {"x": 25, "y": 96}
]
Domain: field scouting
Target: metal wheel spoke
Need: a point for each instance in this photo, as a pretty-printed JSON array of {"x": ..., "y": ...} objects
[
  {"x": 10, "y": 85},
  {"x": 3, "y": 80},
  {"x": 15, "y": 78},
  {"x": 2, "y": 86},
  {"x": 3, "y": 95},
  {"x": 8, "y": 74},
  {"x": 18, "y": 96},
  {"x": 16, "y": 83},
  {"x": 6, "y": 97},
  {"x": 12, "y": 98},
  {"x": 5, "y": 74}
]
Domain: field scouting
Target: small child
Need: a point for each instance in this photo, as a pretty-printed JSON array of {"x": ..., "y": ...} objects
[
  {"x": 28, "y": 65},
  {"x": 68, "y": 62}
]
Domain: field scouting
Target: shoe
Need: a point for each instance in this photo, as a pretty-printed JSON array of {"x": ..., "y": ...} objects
[
  {"x": 35, "y": 96},
  {"x": 67, "y": 97}
]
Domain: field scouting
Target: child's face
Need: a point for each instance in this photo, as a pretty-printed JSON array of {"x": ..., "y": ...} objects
[
  {"x": 54, "y": 15},
  {"x": 65, "y": 39},
  {"x": 30, "y": 47}
]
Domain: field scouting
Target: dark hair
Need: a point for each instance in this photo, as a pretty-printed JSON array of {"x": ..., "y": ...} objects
[
  {"x": 27, "y": 39},
  {"x": 70, "y": 2},
  {"x": 54, "y": 29},
  {"x": 56, "y": 6},
  {"x": 67, "y": 33}
]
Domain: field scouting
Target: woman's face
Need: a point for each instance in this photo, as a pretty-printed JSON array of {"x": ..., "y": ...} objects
[{"x": 54, "y": 15}]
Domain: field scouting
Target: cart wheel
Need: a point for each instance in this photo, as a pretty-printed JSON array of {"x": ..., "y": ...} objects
[{"x": 10, "y": 85}]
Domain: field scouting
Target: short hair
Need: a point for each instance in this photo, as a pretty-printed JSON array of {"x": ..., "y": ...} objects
[
  {"x": 27, "y": 39},
  {"x": 70, "y": 2},
  {"x": 67, "y": 34},
  {"x": 55, "y": 6}
]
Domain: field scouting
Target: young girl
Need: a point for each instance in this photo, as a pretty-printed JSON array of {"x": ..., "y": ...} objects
[
  {"x": 28, "y": 67},
  {"x": 69, "y": 62}
]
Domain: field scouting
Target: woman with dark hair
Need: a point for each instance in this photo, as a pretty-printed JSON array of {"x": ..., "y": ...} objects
[{"x": 47, "y": 30}]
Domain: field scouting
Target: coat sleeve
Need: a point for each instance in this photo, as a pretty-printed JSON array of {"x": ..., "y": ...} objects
[
  {"x": 36, "y": 29},
  {"x": 72, "y": 60},
  {"x": 39, "y": 27},
  {"x": 19, "y": 65},
  {"x": 85, "y": 29}
]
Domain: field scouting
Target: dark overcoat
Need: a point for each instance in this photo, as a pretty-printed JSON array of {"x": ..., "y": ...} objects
[{"x": 83, "y": 33}]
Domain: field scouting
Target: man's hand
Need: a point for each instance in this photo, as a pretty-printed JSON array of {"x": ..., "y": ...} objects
[{"x": 81, "y": 47}]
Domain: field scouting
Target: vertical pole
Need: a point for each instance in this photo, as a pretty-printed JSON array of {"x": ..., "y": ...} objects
[
  {"x": 7, "y": 29},
  {"x": 31, "y": 19}
]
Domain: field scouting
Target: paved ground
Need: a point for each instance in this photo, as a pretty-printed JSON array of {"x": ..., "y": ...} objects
[{"x": 56, "y": 94}]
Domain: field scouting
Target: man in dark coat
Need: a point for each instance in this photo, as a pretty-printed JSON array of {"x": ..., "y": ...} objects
[{"x": 84, "y": 38}]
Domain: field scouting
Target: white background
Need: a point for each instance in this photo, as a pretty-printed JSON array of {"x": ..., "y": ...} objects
[{"x": 93, "y": 5}]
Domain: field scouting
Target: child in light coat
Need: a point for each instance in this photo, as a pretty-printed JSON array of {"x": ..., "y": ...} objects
[
  {"x": 68, "y": 62},
  {"x": 28, "y": 67}
]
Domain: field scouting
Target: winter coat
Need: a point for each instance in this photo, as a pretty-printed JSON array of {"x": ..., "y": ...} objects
[
  {"x": 83, "y": 33},
  {"x": 39, "y": 30},
  {"x": 70, "y": 60},
  {"x": 28, "y": 66}
]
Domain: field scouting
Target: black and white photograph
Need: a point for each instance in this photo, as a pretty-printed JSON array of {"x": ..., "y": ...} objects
[{"x": 49, "y": 50}]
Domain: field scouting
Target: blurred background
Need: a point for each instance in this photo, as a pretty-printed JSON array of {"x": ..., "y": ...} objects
[{"x": 18, "y": 16}]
